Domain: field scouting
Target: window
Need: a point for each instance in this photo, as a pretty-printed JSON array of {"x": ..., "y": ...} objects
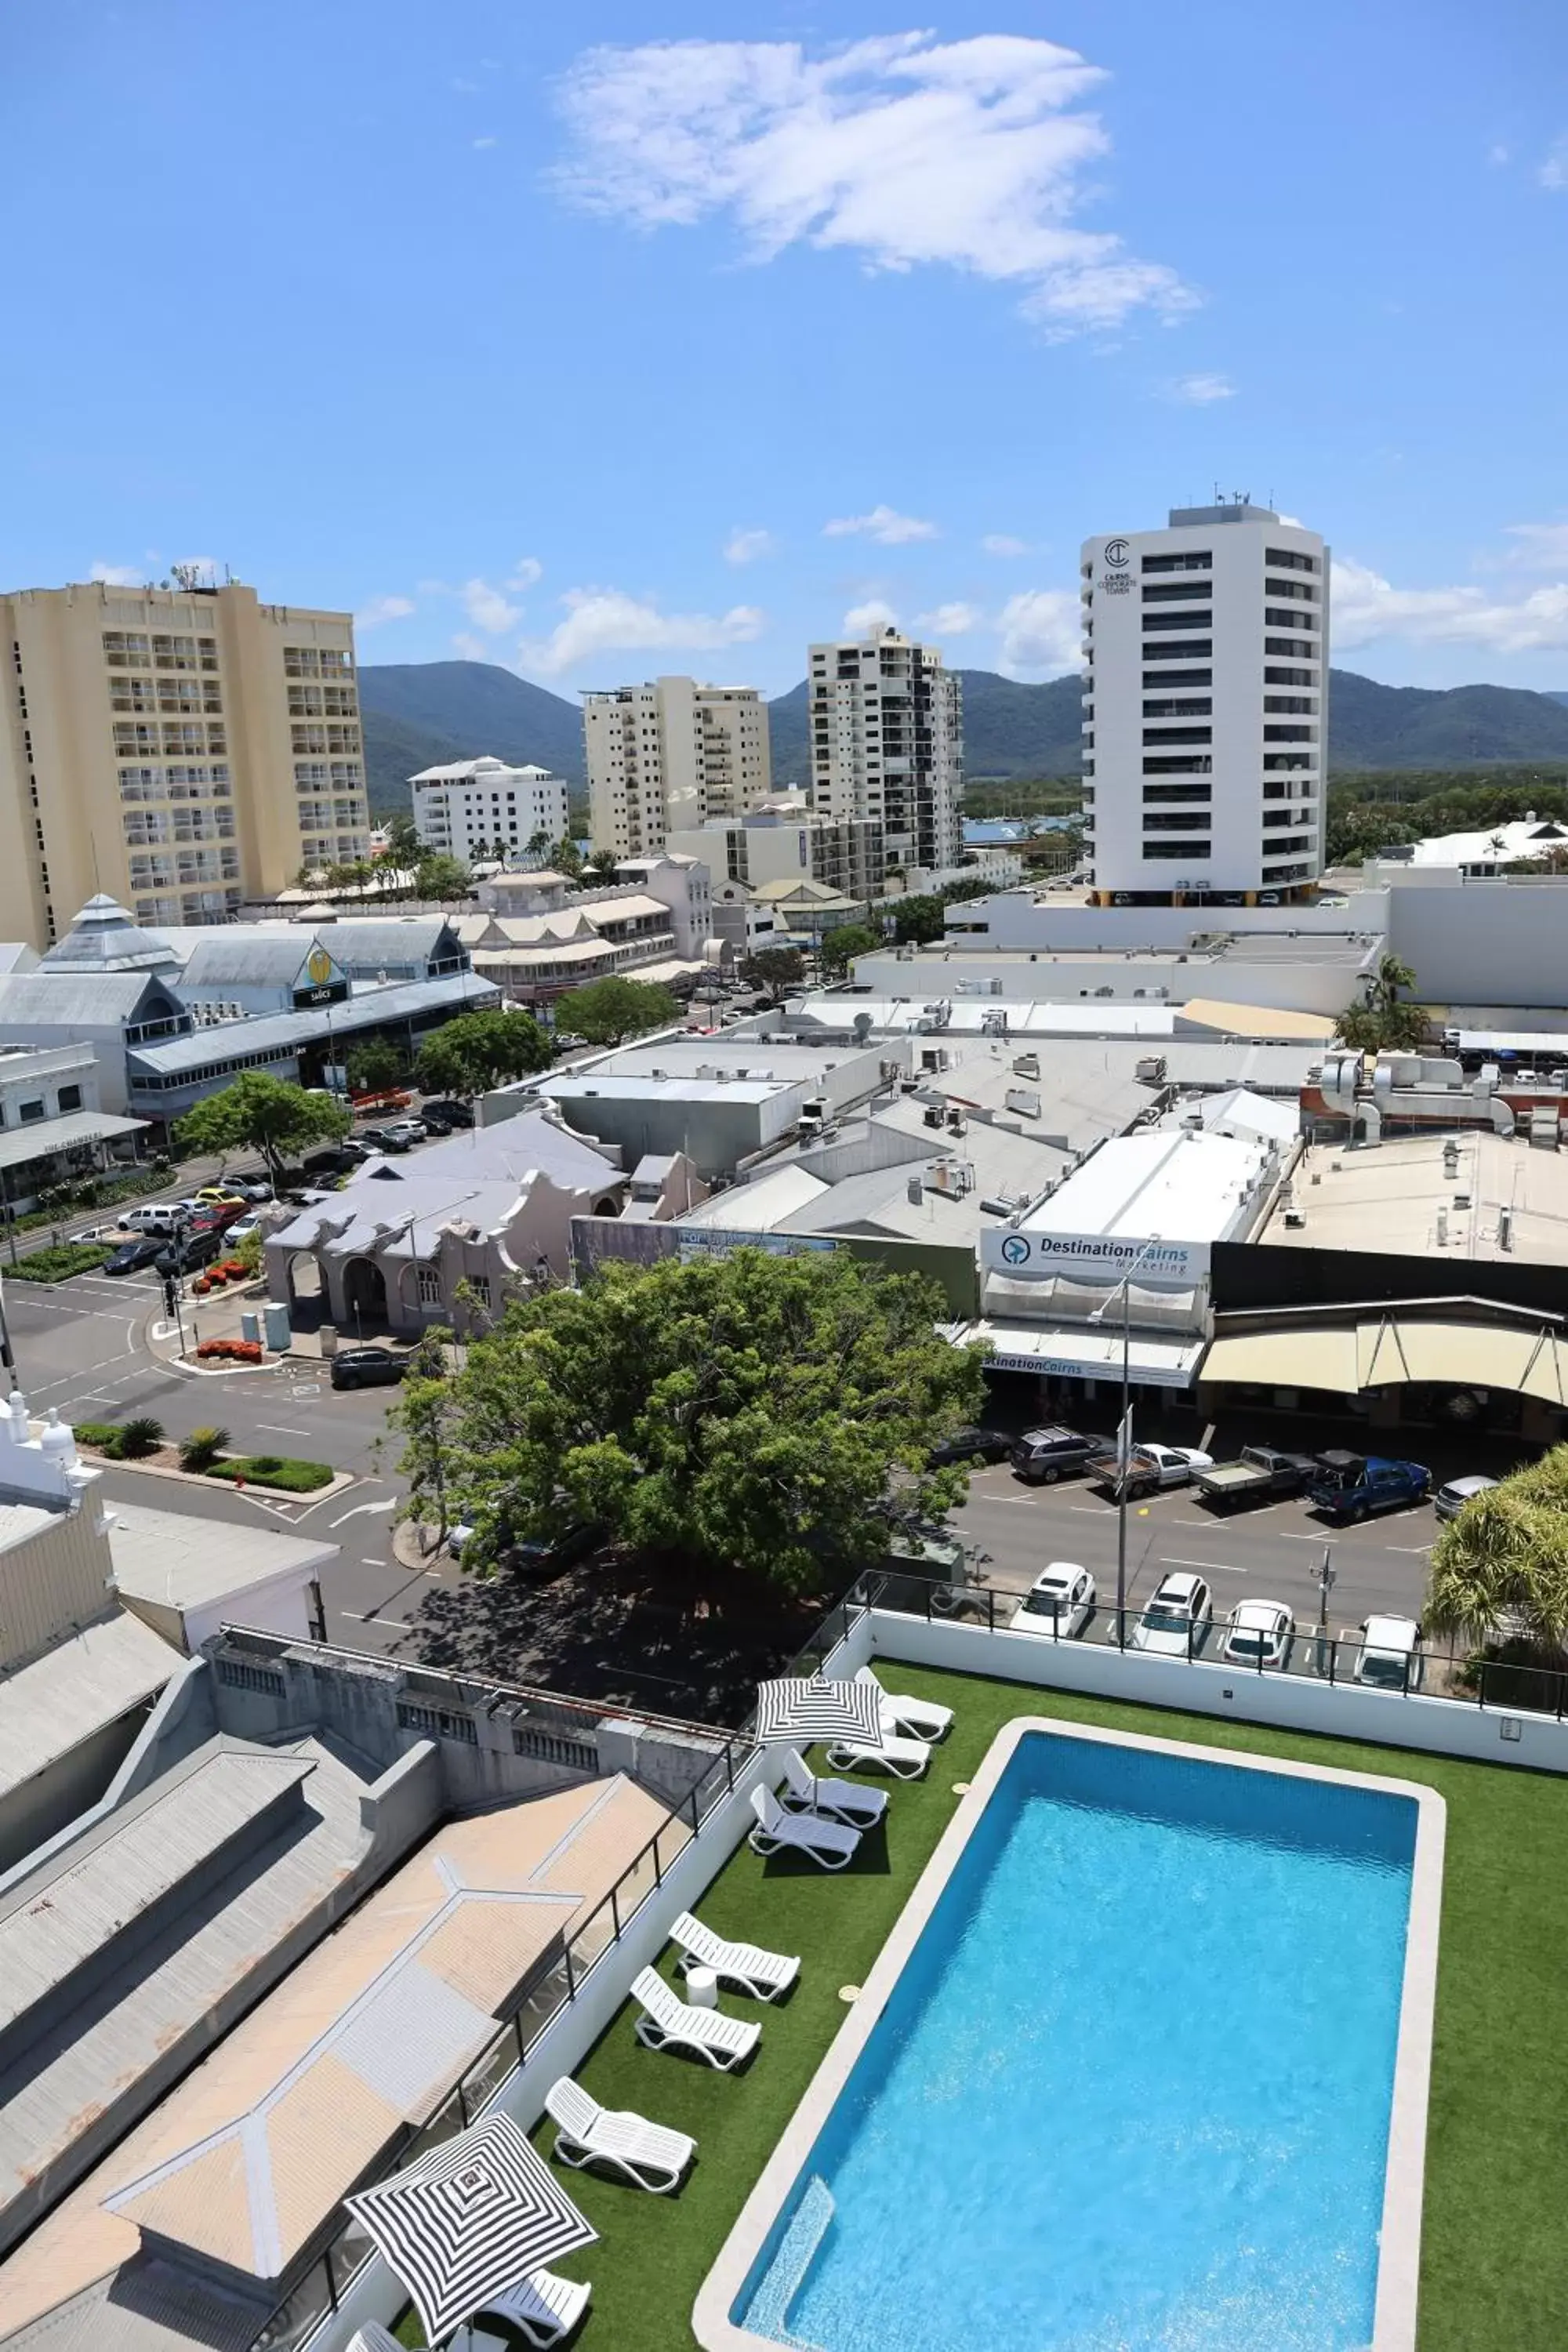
[
  {"x": 1204, "y": 562},
  {"x": 1161, "y": 735},
  {"x": 126, "y": 649},
  {"x": 1177, "y": 793},
  {"x": 1284, "y": 646},
  {"x": 1198, "y": 821},
  {"x": 174, "y": 653},
  {"x": 1175, "y": 678},
  {"x": 31, "y": 1112},
  {"x": 1290, "y": 677},
  {"x": 1180, "y": 621},
  {"x": 1276, "y": 617},
  {"x": 1190, "y": 850},
  {"x": 1290, "y": 734},
  {"x": 429, "y": 1285},
  {"x": 1305, "y": 703},
  {"x": 1284, "y": 558},
  {"x": 1186, "y": 649},
  {"x": 69, "y": 1099},
  {"x": 1196, "y": 765},
  {"x": 1193, "y": 706},
  {"x": 1171, "y": 592}
]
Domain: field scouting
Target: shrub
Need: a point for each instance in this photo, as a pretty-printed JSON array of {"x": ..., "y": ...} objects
[
  {"x": 202, "y": 1448},
  {"x": 96, "y": 1433},
  {"x": 285, "y": 1472},
  {"x": 142, "y": 1435},
  {"x": 59, "y": 1263},
  {"x": 237, "y": 1351}
]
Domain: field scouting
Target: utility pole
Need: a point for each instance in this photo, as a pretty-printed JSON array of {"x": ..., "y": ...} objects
[{"x": 1124, "y": 1433}]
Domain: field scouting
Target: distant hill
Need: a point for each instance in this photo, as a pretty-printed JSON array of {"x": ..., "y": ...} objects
[{"x": 417, "y": 714}]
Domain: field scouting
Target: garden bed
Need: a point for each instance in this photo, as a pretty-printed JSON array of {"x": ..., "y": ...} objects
[
  {"x": 284, "y": 1471},
  {"x": 59, "y": 1263}
]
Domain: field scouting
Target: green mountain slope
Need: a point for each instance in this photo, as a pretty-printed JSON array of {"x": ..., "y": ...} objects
[{"x": 462, "y": 708}]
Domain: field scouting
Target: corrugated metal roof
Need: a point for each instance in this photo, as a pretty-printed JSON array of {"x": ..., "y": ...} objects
[
  {"x": 84, "y": 1000},
  {"x": 231, "y": 957},
  {"x": 76, "y": 1690},
  {"x": 282, "y": 1034}
]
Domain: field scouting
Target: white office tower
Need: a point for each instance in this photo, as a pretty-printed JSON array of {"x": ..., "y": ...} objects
[
  {"x": 475, "y": 809},
  {"x": 887, "y": 742},
  {"x": 1206, "y": 709},
  {"x": 668, "y": 755}
]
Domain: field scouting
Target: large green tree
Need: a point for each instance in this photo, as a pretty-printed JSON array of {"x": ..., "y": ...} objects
[
  {"x": 1386, "y": 1022},
  {"x": 922, "y": 919},
  {"x": 440, "y": 877},
  {"x": 373, "y": 1064},
  {"x": 479, "y": 1050},
  {"x": 738, "y": 1418},
  {"x": 1499, "y": 1568},
  {"x": 258, "y": 1113},
  {"x": 839, "y": 948},
  {"x": 776, "y": 969},
  {"x": 403, "y": 846},
  {"x": 607, "y": 1010}
]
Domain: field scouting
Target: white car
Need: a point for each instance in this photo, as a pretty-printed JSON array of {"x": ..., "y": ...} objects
[
  {"x": 1151, "y": 1468},
  {"x": 159, "y": 1219},
  {"x": 1057, "y": 1604},
  {"x": 1258, "y": 1633},
  {"x": 241, "y": 1230},
  {"x": 1451, "y": 1500},
  {"x": 1176, "y": 1622},
  {"x": 456, "y": 1538},
  {"x": 1390, "y": 1654}
]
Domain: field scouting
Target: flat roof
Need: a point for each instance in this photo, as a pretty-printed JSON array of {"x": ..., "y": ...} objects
[
  {"x": 1180, "y": 1186},
  {"x": 184, "y": 1562},
  {"x": 1388, "y": 1196}
]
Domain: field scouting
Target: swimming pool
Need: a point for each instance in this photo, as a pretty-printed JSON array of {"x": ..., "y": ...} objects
[{"x": 1142, "y": 2069}]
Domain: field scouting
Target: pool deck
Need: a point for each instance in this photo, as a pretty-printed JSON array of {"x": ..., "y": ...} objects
[{"x": 1399, "y": 2259}]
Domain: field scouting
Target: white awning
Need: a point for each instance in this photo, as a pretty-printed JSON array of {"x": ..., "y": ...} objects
[
  {"x": 51, "y": 1135},
  {"x": 1078, "y": 1352}
]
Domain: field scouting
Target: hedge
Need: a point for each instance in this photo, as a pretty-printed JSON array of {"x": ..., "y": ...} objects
[
  {"x": 281, "y": 1470},
  {"x": 95, "y": 1433},
  {"x": 58, "y": 1264}
]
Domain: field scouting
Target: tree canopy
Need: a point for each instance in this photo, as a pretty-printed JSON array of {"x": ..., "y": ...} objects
[
  {"x": 1499, "y": 1568},
  {"x": 607, "y": 1010},
  {"x": 440, "y": 877},
  {"x": 840, "y": 947},
  {"x": 734, "y": 1419},
  {"x": 776, "y": 969},
  {"x": 258, "y": 1113},
  {"x": 403, "y": 846},
  {"x": 478, "y": 1050},
  {"x": 1386, "y": 1022},
  {"x": 373, "y": 1064}
]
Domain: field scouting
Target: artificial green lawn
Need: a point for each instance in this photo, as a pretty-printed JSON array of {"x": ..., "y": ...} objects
[{"x": 1493, "y": 2276}]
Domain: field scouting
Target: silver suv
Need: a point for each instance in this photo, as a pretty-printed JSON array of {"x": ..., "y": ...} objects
[{"x": 1044, "y": 1455}]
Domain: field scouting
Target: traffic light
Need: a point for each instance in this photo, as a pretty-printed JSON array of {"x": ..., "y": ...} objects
[{"x": 170, "y": 1296}]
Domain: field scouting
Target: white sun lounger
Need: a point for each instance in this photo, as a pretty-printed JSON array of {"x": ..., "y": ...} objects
[
  {"x": 906, "y": 1758},
  {"x": 827, "y": 1843},
  {"x": 915, "y": 1718},
  {"x": 542, "y": 2308},
  {"x": 763, "y": 1975},
  {"x": 839, "y": 1801},
  {"x": 667, "y": 2022},
  {"x": 650, "y": 2156}
]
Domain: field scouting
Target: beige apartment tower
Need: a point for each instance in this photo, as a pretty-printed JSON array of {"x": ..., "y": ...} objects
[
  {"x": 181, "y": 749},
  {"x": 887, "y": 743},
  {"x": 668, "y": 755}
]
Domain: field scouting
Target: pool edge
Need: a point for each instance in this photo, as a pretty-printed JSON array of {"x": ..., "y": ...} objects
[{"x": 1399, "y": 2237}]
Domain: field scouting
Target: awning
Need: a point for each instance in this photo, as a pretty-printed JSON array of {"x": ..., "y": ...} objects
[
  {"x": 51, "y": 1135},
  {"x": 1076, "y": 1351},
  {"x": 1384, "y": 1351}
]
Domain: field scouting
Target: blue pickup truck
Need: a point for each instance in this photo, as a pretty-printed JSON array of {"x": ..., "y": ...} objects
[{"x": 1353, "y": 1485}]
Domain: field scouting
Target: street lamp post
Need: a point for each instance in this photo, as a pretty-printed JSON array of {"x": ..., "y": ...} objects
[{"x": 1124, "y": 1434}]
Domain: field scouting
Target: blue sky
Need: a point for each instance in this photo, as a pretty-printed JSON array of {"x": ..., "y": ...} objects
[{"x": 600, "y": 341}]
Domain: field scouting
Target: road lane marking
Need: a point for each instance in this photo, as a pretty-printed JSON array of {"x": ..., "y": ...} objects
[
  {"x": 1407, "y": 1547},
  {"x": 390, "y": 1505},
  {"x": 394, "y": 1624},
  {"x": 1210, "y": 1566},
  {"x": 282, "y": 1429}
]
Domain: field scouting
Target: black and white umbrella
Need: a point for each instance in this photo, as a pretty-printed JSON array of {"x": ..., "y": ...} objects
[
  {"x": 468, "y": 2221},
  {"x": 809, "y": 1707}
]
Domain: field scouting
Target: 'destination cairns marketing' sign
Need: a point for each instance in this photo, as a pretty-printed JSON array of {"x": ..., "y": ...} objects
[{"x": 1092, "y": 1256}]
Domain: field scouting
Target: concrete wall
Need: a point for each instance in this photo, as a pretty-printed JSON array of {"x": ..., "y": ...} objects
[
  {"x": 1484, "y": 942},
  {"x": 1308, "y": 986},
  {"x": 1018, "y": 920},
  {"x": 53, "y": 1798}
]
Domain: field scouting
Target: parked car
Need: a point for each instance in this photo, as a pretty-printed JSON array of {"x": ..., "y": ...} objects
[
  {"x": 234, "y": 1191},
  {"x": 1149, "y": 1469},
  {"x": 196, "y": 1249},
  {"x": 133, "y": 1257},
  {"x": 544, "y": 1556},
  {"x": 1258, "y": 1633},
  {"x": 389, "y": 1138},
  {"x": 1261, "y": 1473},
  {"x": 1350, "y": 1486},
  {"x": 337, "y": 1159},
  {"x": 1176, "y": 1622},
  {"x": 367, "y": 1368},
  {"x": 242, "y": 1230},
  {"x": 971, "y": 1445},
  {"x": 1057, "y": 1604},
  {"x": 160, "y": 1219},
  {"x": 434, "y": 1121},
  {"x": 1390, "y": 1656},
  {"x": 1044, "y": 1455},
  {"x": 1451, "y": 1500},
  {"x": 455, "y": 1114}
]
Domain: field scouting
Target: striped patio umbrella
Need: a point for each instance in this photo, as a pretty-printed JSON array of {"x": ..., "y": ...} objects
[
  {"x": 809, "y": 1707},
  {"x": 468, "y": 2221}
]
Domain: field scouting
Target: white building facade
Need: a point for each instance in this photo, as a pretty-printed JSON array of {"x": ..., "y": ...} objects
[
  {"x": 887, "y": 743},
  {"x": 1206, "y": 709},
  {"x": 483, "y": 808},
  {"x": 785, "y": 841},
  {"x": 669, "y": 754}
]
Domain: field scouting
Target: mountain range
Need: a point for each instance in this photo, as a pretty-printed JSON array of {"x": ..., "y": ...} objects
[{"x": 423, "y": 714}]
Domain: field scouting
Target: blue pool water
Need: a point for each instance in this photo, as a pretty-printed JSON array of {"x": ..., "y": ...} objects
[{"x": 1131, "y": 2091}]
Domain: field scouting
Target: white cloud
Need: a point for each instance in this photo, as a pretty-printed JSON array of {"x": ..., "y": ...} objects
[
  {"x": 607, "y": 620},
  {"x": 487, "y": 609},
  {"x": 383, "y": 608},
  {"x": 1000, "y": 542},
  {"x": 901, "y": 149},
  {"x": 117, "y": 575},
  {"x": 468, "y": 647},
  {"x": 530, "y": 571},
  {"x": 1554, "y": 173},
  {"x": 1200, "y": 391},
  {"x": 1539, "y": 546},
  {"x": 1041, "y": 629},
  {"x": 861, "y": 619},
  {"x": 884, "y": 524},
  {"x": 1500, "y": 154},
  {"x": 955, "y": 620},
  {"x": 1367, "y": 606},
  {"x": 748, "y": 546},
  {"x": 489, "y": 141}
]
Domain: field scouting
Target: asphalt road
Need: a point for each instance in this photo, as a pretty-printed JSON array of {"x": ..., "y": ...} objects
[{"x": 1262, "y": 1554}]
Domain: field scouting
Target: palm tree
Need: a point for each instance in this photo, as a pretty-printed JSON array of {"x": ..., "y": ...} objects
[{"x": 1499, "y": 1568}]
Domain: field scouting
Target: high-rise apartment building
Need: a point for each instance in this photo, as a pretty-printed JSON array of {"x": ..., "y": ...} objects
[
  {"x": 1205, "y": 710},
  {"x": 668, "y": 755},
  {"x": 886, "y": 742},
  {"x": 785, "y": 841},
  {"x": 181, "y": 749},
  {"x": 481, "y": 808}
]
